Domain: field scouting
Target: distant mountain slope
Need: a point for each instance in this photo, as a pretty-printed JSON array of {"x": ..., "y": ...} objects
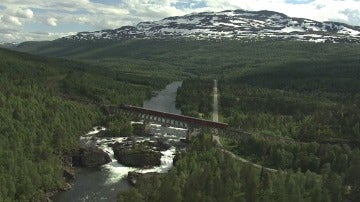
[
  {"x": 80, "y": 81},
  {"x": 7, "y": 45},
  {"x": 237, "y": 24},
  {"x": 220, "y": 59}
]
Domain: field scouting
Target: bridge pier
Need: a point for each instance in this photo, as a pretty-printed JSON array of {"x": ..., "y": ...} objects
[
  {"x": 191, "y": 131},
  {"x": 147, "y": 127},
  {"x": 188, "y": 134}
]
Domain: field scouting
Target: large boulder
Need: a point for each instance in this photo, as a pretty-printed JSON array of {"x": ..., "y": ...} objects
[
  {"x": 139, "y": 157},
  {"x": 161, "y": 145},
  {"x": 91, "y": 157},
  {"x": 68, "y": 173},
  {"x": 109, "y": 133},
  {"x": 65, "y": 187}
]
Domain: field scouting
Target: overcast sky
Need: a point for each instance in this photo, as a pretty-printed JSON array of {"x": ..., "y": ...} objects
[{"x": 24, "y": 20}]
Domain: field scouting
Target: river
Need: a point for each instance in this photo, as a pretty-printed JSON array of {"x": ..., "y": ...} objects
[
  {"x": 105, "y": 182},
  {"x": 165, "y": 99}
]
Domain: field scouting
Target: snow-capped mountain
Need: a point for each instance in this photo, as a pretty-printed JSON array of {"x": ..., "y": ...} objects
[{"x": 237, "y": 24}]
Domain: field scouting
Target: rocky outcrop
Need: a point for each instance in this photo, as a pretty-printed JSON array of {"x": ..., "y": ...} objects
[
  {"x": 135, "y": 178},
  {"x": 139, "y": 157},
  {"x": 176, "y": 158},
  {"x": 48, "y": 197},
  {"x": 68, "y": 173},
  {"x": 185, "y": 140},
  {"x": 160, "y": 145},
  {"x": 109, "y": 133},
  {"x": 65, "y": 187},
  {"x": 90, "y": 157}
]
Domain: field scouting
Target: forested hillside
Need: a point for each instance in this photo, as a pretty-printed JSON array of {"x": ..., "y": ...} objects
[
  {"x": 223, "y": 58},
  {"x": 205, "y": 173},
  {"x": 299, "y": 100},
  {"x": 45, "y": 105},
  {"x": 303, "y": 114}
]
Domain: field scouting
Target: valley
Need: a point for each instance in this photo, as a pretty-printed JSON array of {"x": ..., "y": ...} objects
[
  {"x": 106, "y": 181},
  {"x": 288, "y": 88}
]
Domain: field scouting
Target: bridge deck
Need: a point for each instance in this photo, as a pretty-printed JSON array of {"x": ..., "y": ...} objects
[{"x": 187, "y": 119}]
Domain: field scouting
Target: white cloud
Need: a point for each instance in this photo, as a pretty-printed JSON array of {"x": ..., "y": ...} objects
[
  {"x": 8, "y": 37},
  {"x": 33, "y": 36},
  {"x": 24, "y": 13},
  {"x": 321, "y": 10},
  {"x": 353, "y": 16},
  {"x": 52, "y": 22},
  {"x": 11, "y": 20}
]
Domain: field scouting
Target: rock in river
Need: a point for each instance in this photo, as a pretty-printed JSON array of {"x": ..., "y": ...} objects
[
  {"x": 91, "y": 157},
  {"x": 139, "y": 157}
]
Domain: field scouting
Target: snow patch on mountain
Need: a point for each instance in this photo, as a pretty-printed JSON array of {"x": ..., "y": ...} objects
[{"x": 236, "y": 24}]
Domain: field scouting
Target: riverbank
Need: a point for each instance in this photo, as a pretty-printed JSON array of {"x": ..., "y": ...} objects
[{"x": 105, "y": 182}]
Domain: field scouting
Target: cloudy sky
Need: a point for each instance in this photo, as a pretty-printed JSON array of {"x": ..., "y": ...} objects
[{"x": 24, "y": 20}]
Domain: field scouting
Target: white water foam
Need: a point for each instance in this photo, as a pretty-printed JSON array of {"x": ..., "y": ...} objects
[
  {"x": 166, "y": 162},
  {"x": 118, "y": 171}
]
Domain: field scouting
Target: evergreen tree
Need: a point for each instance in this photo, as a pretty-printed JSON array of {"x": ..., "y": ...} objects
[{"x": 249, "y": 183}]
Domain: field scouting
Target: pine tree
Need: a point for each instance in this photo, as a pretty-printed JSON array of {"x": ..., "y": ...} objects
[
  {"x": 353, "y": 177},
  {"x": 264, "y": 184},
  {"x": 131, "y": 195},
  {"x": 316, "y": 193},
  {"x": 249, "y": 183},
  {"x": 333, "y": 184}
]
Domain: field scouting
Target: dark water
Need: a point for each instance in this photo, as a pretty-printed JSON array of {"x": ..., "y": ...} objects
[
  {"x": 90, "y": 185},
  {"x": 165, "y": 99},
  {"x": 105, "y": 182}
]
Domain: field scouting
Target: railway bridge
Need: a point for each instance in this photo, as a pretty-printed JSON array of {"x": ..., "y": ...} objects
[
  {"x": 163, "y": 118},
  {"x": 176, "y": 120}
]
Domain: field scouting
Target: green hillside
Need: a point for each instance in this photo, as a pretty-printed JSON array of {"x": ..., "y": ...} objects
[
  {"x": 303, "y": 111},
  {"x": 45, "y": 104},
  {"x": 301, "y": 100},
  {"x": 226, "y": 58}
]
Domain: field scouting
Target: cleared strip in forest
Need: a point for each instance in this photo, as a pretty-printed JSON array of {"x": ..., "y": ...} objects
[{"x": 216, "y": 138}]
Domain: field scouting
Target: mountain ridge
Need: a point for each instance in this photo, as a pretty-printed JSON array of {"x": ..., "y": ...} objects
[{"x": 231, "y": 24}]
